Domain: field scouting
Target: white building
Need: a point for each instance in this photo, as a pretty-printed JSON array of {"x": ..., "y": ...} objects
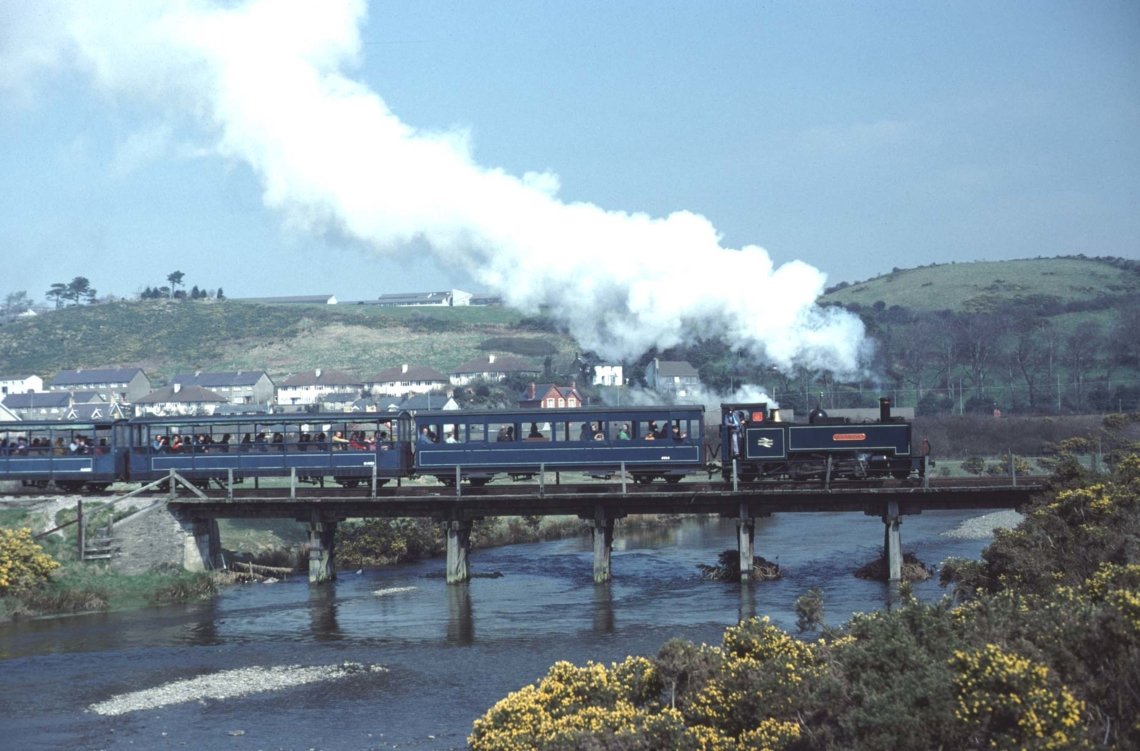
[
  {"x": 20, "y": 384},
  {"x": 608, "y": 375}
]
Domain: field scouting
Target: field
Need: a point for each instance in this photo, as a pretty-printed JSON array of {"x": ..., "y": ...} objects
[{"x": 984, "y": 285}]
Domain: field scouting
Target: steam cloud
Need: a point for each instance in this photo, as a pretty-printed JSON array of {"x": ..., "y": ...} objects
[{"x": 266, "y": 78}]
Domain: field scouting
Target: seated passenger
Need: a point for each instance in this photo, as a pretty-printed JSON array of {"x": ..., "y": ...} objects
[
  {"x": 246, "y": 443},
  {"x": 535, "y": 434},
  {"x": 623, "y": 433},
  {"x": 678, "y": 436},
  {"x": 224, "y": 443},
  {"x": 426, "y": 436},
  {"x": 59, "y": 449},
  {"x": 339, "y": 441},
  {"x": 504, "y": 434}
]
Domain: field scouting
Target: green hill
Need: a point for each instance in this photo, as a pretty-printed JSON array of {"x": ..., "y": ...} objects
[
  {"x": 165, "y": 337},
  {"x": 982, "y": 286}
]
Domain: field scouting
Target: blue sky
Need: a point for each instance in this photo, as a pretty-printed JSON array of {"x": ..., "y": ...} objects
[{"x": 855, "y": 137}]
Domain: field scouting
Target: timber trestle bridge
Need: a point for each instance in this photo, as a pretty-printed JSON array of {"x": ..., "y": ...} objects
[{"x": 458, "y": 506}]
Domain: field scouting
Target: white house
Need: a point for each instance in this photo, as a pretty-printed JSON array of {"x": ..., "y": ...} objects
[
  {"x": 406, "y": 379},
  {"x": 310, "y": 387},
  {"x": 176, "y": 399},
  {"x": 493, "y": 368},
  {"x": 20, "y": 384},
  {"x": 609, "y": 375}
]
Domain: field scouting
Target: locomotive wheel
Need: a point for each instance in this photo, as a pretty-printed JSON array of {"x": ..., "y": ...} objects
[{"x": 672, "y": 479}]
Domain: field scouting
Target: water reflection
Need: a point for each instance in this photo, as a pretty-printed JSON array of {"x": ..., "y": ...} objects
[
  {"x": 603, "y": 609},
  {"x": 747, "y": 601},
  {"x": 460, "y": 621},
  {"x": 202, "y": 629},
  {"x": 323, "y": 611}
]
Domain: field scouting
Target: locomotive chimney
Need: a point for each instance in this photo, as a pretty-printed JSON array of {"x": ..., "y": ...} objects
[{"x": 884, "y": 409}]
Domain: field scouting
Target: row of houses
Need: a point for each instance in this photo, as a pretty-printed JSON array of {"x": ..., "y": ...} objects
[{"x": 105, "y": 393}]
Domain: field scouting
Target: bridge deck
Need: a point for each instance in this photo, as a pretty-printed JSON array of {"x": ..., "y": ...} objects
[{"x": 584, "y": 500}]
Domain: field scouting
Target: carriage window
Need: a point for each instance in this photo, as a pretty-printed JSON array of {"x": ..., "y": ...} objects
[
  {"x": 503, "y": 431},
  {"x": 538, "y": 431}
]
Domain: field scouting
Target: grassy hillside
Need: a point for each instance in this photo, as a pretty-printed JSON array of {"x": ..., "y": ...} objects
[
  {"x": 986, "y": 285},
  {"x": 164, "y": 337}
]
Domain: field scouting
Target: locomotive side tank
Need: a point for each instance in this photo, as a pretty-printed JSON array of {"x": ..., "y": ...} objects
[{"x": 762, "y": 447}]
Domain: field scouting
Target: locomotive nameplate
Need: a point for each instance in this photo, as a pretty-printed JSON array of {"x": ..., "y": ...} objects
[{"x": 849, "y": 437}]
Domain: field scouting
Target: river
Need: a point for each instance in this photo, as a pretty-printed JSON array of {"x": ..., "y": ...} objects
[{"x": 424, "y": 659}]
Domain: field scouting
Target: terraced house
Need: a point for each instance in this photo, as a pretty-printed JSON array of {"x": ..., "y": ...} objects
[
  {"x": 240, "y": 387},
  {"x": 311, "y": 387},
  {"x": 123, "y": 385}
]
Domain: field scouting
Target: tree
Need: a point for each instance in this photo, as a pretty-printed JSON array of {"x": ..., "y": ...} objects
[
  {"x": 16, "y": 303},
  {"x": 58, "y": 293},
  {"x": 175, "y": 279},
  {"x": 80, "y": 289}
]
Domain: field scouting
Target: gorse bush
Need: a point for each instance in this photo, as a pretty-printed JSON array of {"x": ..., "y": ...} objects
[
  {"x": 23, "y": 563},
  {"x": 1042, "y": 653}
]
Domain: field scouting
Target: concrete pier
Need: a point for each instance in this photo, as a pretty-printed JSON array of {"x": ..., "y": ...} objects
[
  {"x": 603, "y": 545},
  {"x": 892, "y": 541},
  {"x": 458, "y": 546},
  {"x": 322, "y": 553},
  {"x": 745, "y": 539}
]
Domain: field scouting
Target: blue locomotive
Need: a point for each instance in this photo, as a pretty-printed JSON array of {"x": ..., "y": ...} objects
[{"x": 757, "y": 445}]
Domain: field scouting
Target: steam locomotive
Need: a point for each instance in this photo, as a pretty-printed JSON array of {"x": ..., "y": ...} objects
[
  {"x": 756, "y": 445},
  {"x": 646, "y": 443}
]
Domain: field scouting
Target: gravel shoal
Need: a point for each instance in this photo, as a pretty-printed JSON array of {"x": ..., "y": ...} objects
[
  {"x": 982, "y": 527},
  {"x": 229, "y": 684}
]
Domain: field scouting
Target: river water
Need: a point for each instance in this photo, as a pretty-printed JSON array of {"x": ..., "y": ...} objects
[{"x": 432, "y": 657}]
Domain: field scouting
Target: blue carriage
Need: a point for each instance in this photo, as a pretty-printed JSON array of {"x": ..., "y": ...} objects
[
  {"x": 351, "y": 449},
  {"x": 69, "y": 455},
  {"x": 649, "y": 442}
]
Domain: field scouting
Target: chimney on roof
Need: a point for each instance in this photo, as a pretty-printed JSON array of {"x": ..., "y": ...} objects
[
  {"x": 490, "y": 359},
  {"x": 404, "y": 368},
  {"x": 533, "y": 388},
  {"x": 177, "y": 386},
  {"x": 318, "y": 372}
]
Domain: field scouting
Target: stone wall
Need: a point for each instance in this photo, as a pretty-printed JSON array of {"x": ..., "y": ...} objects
[{"x": 156, "y": 536}]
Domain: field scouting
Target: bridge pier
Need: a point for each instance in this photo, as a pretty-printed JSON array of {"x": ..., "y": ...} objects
[
  {"x": 745, "y": 541},
  {"x": 603, "y": 545},
  {"x": 458, "y": 546},
  {"x": 322, "y": 551},
  {"x": 892, "y": 541}
]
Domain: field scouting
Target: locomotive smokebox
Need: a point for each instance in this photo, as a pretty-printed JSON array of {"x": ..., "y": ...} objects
[{"x": 885, "y": 409}]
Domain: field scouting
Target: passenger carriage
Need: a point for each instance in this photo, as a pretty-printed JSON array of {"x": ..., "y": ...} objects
[
  {"x": 349, "y": 448},
  {"x": 72, "y": 455},
  {"x": 651, "y": 442}
]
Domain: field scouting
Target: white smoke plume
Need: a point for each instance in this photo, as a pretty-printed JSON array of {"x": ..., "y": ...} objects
[{"x": 268, "y": 83}]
